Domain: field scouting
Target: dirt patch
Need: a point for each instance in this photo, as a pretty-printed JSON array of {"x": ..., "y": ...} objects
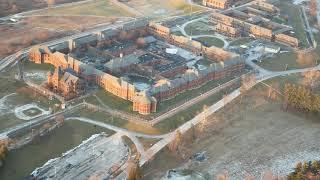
[
  {"x": 160, "y": 8},
  {"x": 8, "y": 7},
  {"x": 24, "y": 36},
  {"x": 33, "y": 30}
]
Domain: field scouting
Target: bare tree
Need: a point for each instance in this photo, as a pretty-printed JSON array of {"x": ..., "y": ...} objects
[
  {"x": 313, "y": 8},
  {"x": 204, "y": 122},
  {"x": 3, "y": 150},
  {"x": 50, "y": 2},
  {"x": 123, "y": 35},
  {"x": 141, "y": 43},
  {"x": 59, "y": 119},
  {"x": 177, "y": 141},
  {"x": 223, "y": 176},
  {"x": 307, "y": 59},
  {"x": 133, "y": 171}
]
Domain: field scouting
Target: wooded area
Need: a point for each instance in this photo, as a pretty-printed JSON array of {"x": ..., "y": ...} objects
[
  {"x": 301, "y": 98},
  {"x": 306, "y": 170}
]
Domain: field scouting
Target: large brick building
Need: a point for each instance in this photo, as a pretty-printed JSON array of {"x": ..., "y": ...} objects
[
  {"x": 117, "y": 86},
  {"x": 65, "y": 82},
  {"x": 144, "y": 102},
  {"x": 253, "y": 19},
  {"x": 220, "y": 4}
]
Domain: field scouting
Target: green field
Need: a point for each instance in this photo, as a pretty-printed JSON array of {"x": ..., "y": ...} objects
[
  {"x": 112, "y": 101},
  {"x": 287, "y": 61},
  {"x": 241, "y": 41},
  {"x": 211, "y": 41},
  {"x": 198, "y": 28},
  {"x": 115, "y": 121},
  {"x": 189, "y": 94},
  {"x": 180, "y": 118}
]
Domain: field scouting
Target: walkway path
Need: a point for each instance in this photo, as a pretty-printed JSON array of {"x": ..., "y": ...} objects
[
  {"x": 218, "y": 36},
  {"x": 121, "y": 114},
  {"x": 115, "y": 128}
]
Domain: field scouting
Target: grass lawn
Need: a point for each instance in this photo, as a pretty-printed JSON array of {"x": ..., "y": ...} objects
[
  {"x": 177, "y": 33},
  {"x": 189, "y": 94},
  {"x": 205, "y": 62},
  {"x": 240, "y": 41},
  {"x": 290, "y": 59},
  {"x": 8, "y": 121},
  {"x": 198, "y": 28},
  {"x": 28, "y": 65},
  {"x": 8, "y": 86},
  {"x": 279, "y": 20},
  {"x": 115, "y": 121},
  {"x": 175, "y": 121},
  {"x": 211, "y": 41},
  {"x": 95, "y": 8},
  {"x": 158, "y": 8},
  {"x": 294, "y": 14},
  {"x": 113, "y": 101}
]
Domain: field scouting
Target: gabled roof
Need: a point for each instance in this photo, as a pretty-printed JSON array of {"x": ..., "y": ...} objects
[{"x": 69, "y": 78}]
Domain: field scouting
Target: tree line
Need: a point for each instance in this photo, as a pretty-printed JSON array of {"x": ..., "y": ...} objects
[
  {"x": 306, "y": 170},
  {"x": 301, "y": 98}
]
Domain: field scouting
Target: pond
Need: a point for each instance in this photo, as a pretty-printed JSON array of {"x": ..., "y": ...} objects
[{"x": 21, "y": 162}]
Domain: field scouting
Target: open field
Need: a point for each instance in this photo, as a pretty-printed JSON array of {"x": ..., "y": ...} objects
[
  {"x": 24, "y": 36},
  {"x": 113, "y": 101},
  {"x": 290, "y": 60},
  {"x": 240, "y": 41},
  {"x": 211, "y": 41},
  {"x": 8, "y": 7},
  {"x": 14, "y": 93},
  {"x": 250, "y": 136},
  {"x": 160, "y": 8},
  {"x": 178, "y": 119},
  {"x": 37, "y": 29},
  {"x": 189, "y": 94},
  {"x": 108, "y": 119},
  {"x": 198, "y": 28},
  {"x": 93, "y": 8}
]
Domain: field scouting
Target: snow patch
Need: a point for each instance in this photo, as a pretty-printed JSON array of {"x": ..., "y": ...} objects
[
  {"x": 5, "y": 107},
  {"x": 19, "y": 111}
]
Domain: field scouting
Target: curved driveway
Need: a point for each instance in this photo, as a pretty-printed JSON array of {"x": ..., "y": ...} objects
[{"x": 218, "y": 36}]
